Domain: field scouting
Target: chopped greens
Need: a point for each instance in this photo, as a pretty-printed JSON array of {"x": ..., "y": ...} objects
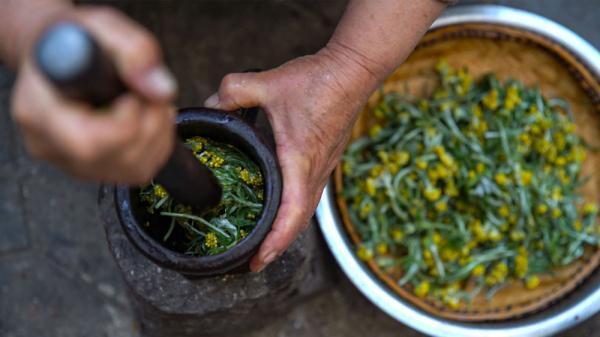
[
  {"x": 222, "y": 227},
  {"x": 469, "y": 189}
]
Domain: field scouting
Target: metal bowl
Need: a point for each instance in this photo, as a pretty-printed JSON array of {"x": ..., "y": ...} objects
[{"x": 578, "y": 305}]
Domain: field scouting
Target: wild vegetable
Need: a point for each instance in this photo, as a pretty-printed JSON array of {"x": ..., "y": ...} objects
[
  {"x": 469, "y": 189},
  {"x": 222, "y": 227}
]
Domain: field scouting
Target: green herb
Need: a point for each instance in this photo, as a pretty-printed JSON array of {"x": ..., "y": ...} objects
[
  {"x": 476, "y": 185},
  {"x": 222, "y": 227}
]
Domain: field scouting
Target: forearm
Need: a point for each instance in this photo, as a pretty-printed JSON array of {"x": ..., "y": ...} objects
[
  {"x": 375, "y": 36},
  {"x": 20, "y": 21}
]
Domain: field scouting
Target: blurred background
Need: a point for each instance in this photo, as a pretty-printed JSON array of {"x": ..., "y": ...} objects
[{"x": 57, "y": 278}]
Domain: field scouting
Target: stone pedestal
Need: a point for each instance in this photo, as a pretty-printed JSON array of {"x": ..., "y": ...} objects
[{"x": 169, "y": 304}]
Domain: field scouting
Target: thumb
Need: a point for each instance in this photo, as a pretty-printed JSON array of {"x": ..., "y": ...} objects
[
  {"x": 240, "y": 90},
  {"x": 135, "y": 51},
  {"x": 293, "y": 214}
]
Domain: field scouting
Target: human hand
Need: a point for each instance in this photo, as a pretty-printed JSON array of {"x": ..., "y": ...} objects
[
  {"x": 311, "y": 103},
  {"x": 129, "y": 141}
]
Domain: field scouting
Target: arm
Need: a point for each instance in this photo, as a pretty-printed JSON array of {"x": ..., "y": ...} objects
[
  {"x": 313, "y": 101},
  {"x": 126, "y": 145}
]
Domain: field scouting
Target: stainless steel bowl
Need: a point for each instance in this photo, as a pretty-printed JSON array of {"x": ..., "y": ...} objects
[{"x": 576, "y": 307}]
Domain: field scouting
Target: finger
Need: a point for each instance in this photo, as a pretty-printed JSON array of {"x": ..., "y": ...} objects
[
  {"x": 60, "y": 128},
  {"x": 243, "y": 90},
  {"x": 152, "y": 148},
  {"x": 136, "y": 52},
  {"x": 292, "y": 216}
]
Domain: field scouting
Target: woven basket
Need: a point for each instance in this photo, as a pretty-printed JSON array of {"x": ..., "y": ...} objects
[{"x": 536, "y": 61}]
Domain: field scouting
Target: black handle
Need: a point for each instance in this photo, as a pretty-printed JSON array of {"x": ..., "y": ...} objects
[{"x": 72, "y": 60}]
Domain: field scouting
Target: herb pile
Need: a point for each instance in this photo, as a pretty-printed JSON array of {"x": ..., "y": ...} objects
[
  {"x": 469, "y": 189},
  {"x": 222, "y": 227}
]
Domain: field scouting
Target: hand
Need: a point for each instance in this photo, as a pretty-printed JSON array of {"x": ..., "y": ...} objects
[
  {"x": 311, "y": 103},
  {"x": 130, "y": 141}
]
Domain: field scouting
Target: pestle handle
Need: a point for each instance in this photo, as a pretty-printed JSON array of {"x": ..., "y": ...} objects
[{"x": 75, "y": 64}]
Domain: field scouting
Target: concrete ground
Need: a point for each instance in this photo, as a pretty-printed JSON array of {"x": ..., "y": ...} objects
[{"x": 56, "y": 276}]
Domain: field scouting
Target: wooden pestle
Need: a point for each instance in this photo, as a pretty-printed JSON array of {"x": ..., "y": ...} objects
[{"x": 75, "y": 64}]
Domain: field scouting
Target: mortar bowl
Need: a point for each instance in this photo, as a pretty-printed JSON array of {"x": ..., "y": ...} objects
[{"x": 223, "y": 127}]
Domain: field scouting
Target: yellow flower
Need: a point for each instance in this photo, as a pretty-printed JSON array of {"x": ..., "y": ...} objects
[
  {"x": 160, "y": 191},
  {"x": 480, "y": 168},
  {"x": 557, "y": 194},
  {"x": 382, "y": 248},
  {"x": 211, "y": 240},
  {"x": 532, "y": 109},
  {"x": 370, "y": 186},
  {"x": 450, "y": 189},
  {"x": 436, "y": 238},
  {"x": 504, "y": 211},
  {"x": 442, "y": 66},
  {"x": 441, "y": 206},
  {"x": 542, "y": 209},
  {"x": 478, "y": 270},
  {"x": 526, "y": 177},
  {"x": 532, "y": 282},
  {"x": 449, "y": 254},
  {"x": 556, "y": 213},
  {"x": 525, "y": 139},
  {"x": 392, "y": 168},
  {"x": 590, "y": 208},
  {"x": 477, "y": 112},
  {"x": 364, "y": 253},
  {"x": 521, "y": 265},
  {"x": 347, "y": 168},
  {"x": 499, "y": 272},
  {"x": 422, "y": 289},
  {"x": 401, "y": 158},
  {"x": 427, "y": 255},
  {"x": 501, "y": 179},
  {"x": 397, "y": 234},
  {"x": 517, "y": 235},
  {"x": 433, "y": 175},
  {"x": 375, "y": 130},
  {"x": 560, "y": 161},
  {"x": 442, "y": 171},
  {"x": 578, "y": 154},
  {"x": 447, "y": 160},
  {"x": 512, "y": 97},
  {"x": 376, "y": 171},
  {"x": 421, "y": 164},
  {"x": 578, "y": 226},
  {"x": 197, "y": 147},
  {"x": 490, "y": 100},
  {"x": 432, "y": 193},
  {"x": 477, "y": 229},
  {"x": 365, "y": 210},
  {"x": 452, "y": 302},
  {"x": 495, "y": 235}
]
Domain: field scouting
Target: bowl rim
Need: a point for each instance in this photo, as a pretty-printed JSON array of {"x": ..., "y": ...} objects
[
  {"x": 241, "y": 252},
  {"x": 382, "y": 296}
]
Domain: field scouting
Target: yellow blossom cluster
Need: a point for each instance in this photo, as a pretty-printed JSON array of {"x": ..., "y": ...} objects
[{"x": 462, "y": 188}]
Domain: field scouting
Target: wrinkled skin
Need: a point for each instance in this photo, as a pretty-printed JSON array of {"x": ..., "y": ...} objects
[
  {"x": 311, "y": 101},
  {"x": 311, "y": 107}
]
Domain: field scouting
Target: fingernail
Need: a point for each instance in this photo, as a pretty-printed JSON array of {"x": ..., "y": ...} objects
[
  {"x": 161, "y": 82},
  {"x": 212, "y": 101},
  {"x": 269, "y": 257}
]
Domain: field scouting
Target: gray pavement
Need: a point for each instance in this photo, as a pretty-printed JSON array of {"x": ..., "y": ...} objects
[{"x": 56, "y": 276}]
